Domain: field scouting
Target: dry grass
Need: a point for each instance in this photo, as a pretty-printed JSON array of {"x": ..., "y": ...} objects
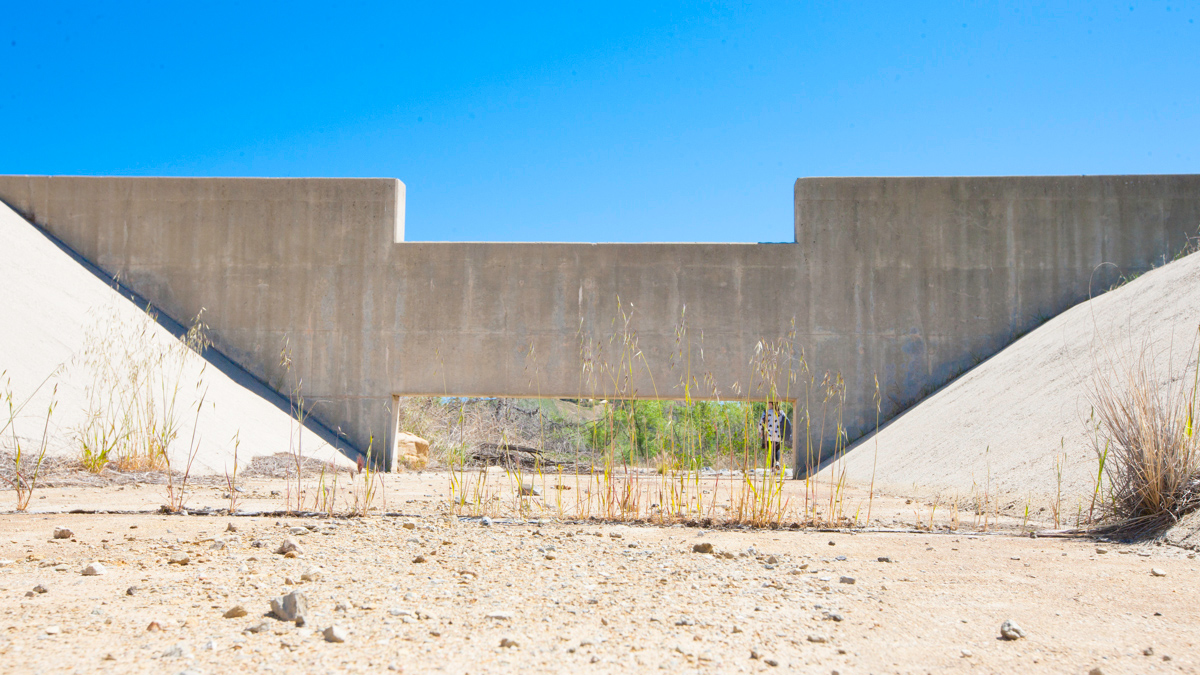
[{"x": 1148, "y": 445}]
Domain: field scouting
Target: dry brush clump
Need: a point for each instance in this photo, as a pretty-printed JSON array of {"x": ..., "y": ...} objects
[{"x": 1147, "y": 444}]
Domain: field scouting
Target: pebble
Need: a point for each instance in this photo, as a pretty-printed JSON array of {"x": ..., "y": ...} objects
[
  {"x": 1156, "y": 572},
  {"x": 485, "y": 521},
  {"x": 966, "y": 653},
  {"x": 63, "y": 533},
  {"x": 884, "y": 559},
  {"x": 500, "y": 616},
  {"x": 231, "y": 528},
  {"x": 178, "y": 559},
  {"x": 40, "y": 588},
  {"x": 52, "y": 630},
  {"x": 703, "y": 547},
  {"x": 312, "y": 574},
  {"x": 508, "y": 643},
  {"x": 334, "y": 633},
  {"x": 846, "y": 580},
  {"x": 1009, "y": 630},
  {"x": 419, "y": 559},
  {"x": 291, "y": 607},
  {"x": 94, "y": 570},
  {"x": 235, "y": 612},
  {"x": 132, "y": 590},
  {"x": 289, "y": 547},
  {"x": 772, "y": 560},
  {"x": 819, "y": 639},
  {"x": 298, "y": 531}
]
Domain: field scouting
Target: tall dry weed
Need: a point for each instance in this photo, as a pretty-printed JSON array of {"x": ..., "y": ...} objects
[{"x": 1148, "y": 443}]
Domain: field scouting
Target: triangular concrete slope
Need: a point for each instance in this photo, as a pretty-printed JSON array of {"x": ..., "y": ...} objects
[
  {"x": 51, "y": 311},
  {"x": 1010, "y": 422}
]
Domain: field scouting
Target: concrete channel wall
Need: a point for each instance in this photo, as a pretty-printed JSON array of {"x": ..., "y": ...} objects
[{"x": 910, "y": 279}]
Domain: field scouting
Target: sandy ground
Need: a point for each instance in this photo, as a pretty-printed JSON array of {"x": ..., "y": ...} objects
[
  {"x": 1014, "y": 420},
  {"x": 423, "y": 590}
]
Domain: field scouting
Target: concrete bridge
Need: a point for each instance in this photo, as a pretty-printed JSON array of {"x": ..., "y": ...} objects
[{"x": 911, "y": 280}]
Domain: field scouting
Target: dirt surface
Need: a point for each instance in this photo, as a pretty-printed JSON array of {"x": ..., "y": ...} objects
[
  {"x": 1010, "y": 424},
  {"x": 424, "y": 590}
]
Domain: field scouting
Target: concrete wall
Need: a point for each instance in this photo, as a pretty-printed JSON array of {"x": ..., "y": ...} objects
[{"x": 914, "y": 279}]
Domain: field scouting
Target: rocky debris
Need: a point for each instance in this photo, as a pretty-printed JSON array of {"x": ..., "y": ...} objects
[
  {"x": 94, "y": 569},
  {"x": 419, "y": 559},
  {"x": 298, "y": 531},
  {"x": 63, "y": 533},
  {"x": 847, "y": 580},
  {"x": 178, "y": 558},
  {"x": 40, "y": 589},
  {"x": 702, "y": 547},
  {"x": 508, "y": 643},
  {"x": 885, "y": 559},
  {"x": 311, "y": 574},
  {"x": 235, "y": 612},
  {"x": 334, "y": 633},
  {"x": 289, "y": 547},
  {"x": 1010, "y": 630},
  {"x": 291, "y": 607},
  {"x": 412, "y": 450},
  {"x": 818, "y": 639},
  {"x": 132, "y": 590},
  {"x": 500, "y": 616},
  {"x": 1156, "y": 572},
  {"x": 52, "y": 630}
]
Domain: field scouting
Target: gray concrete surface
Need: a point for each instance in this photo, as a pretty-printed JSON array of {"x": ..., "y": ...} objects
[{"x": 913, "y": 279}]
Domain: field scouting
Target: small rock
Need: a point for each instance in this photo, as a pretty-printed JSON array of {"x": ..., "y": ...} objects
[
  {"x": 154, "y": 627},
  {"x": 819, "y": 639},
  {"x": 528, "y": 489},
  {"x": 846, "y": 580},
  {"x": 1156, "y": 572},
  {"x": 419, "y": 559},
  {"x": 298, "y": 531},
  {"x": 966, "y": 653},
  {"x": 508, "y": 643},
  {"x": 685, "y": 621},
  {"x": 132, "y": 590},
  {"x": 63, "y": 533},
  {"x": 1096, "y": 671},
  {"x": 289, "y": 545},
  {"x": 485, "y": 521},
  {"x": 218, "y": 545},
  {"x": 235, "y": 612},
  {"x": 500, "y": 616},
  {"x": 1101, "y": 551},
  {"x": 772, "y": 560},
  {"x": 1148, "y": 651},
  {"x": 231, "y": 528},
  {"x": 312, "y": 574},
  {"x": 703, "y": 547},
  {"x": 39, "y": 589},
  {"x": 290, "y": 607},
  {"x": 1009, "y": 630},
  {"x": 409, "y": 526},
  {"x": 334, "y": 634},
  {"x": 260, "y": 627},
  {"x": 771, "y": 662},
  {"x": 94, "y": 570},
  {"x": 178, "y": 559},
  {"x": 52, "y": 630},
  {"x": 174, "y": 652}
]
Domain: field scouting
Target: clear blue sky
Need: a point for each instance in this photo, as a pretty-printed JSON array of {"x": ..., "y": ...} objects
[{"x": 611, "y": 122}]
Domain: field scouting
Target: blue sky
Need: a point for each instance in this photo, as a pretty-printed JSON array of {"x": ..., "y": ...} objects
[{"x": 606, "y": 122}]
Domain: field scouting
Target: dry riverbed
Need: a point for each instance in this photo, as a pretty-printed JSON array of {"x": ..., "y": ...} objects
[{"x": 428, "y": 591}]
